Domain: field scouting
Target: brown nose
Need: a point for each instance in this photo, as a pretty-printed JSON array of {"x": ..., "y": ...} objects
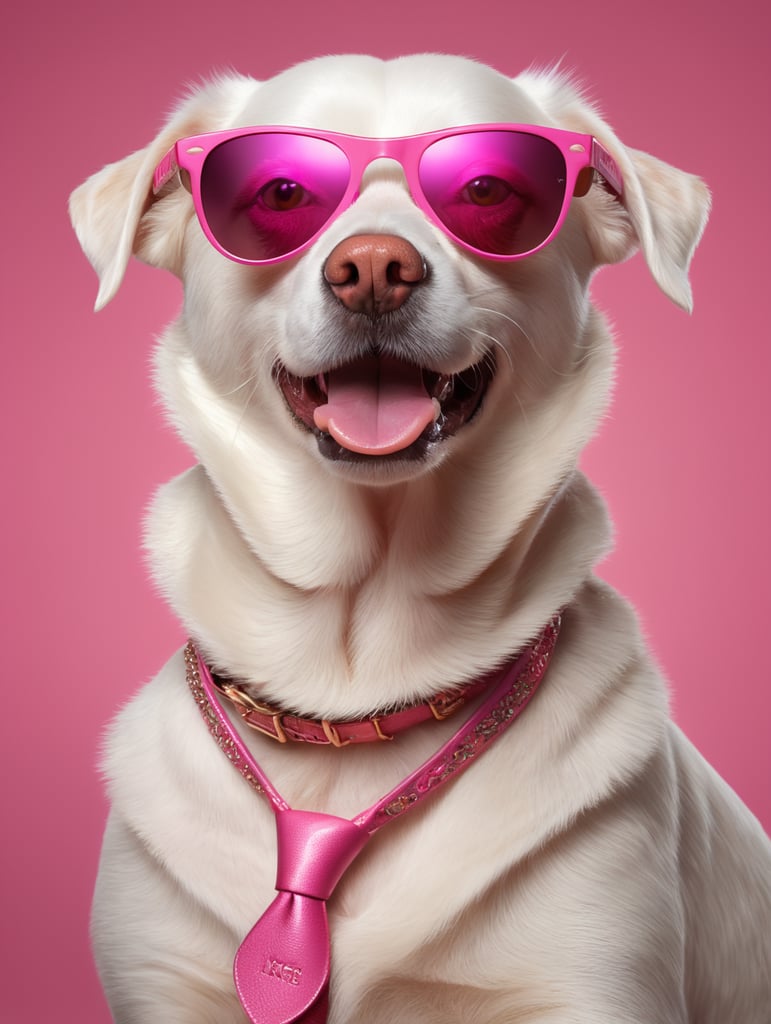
[{"x": 374, "y": 274}]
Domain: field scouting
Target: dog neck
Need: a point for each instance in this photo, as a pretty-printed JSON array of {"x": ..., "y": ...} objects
[{"x": 340, "y": 641}]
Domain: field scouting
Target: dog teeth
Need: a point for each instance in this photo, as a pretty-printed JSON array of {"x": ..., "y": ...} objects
[
  {"x": 444, "y": 389},
  {"x": 321, "y": 382}
]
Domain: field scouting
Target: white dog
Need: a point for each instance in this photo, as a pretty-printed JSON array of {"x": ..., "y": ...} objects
[{"x": 387, "y": 387}]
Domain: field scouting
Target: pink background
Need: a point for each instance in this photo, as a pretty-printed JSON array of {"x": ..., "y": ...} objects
[{"x": 683, "y": 459}]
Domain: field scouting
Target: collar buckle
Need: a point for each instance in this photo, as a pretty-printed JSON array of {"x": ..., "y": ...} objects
[
  {"x": 446, "y": 704},
  {"x": 246, "y": 706}
]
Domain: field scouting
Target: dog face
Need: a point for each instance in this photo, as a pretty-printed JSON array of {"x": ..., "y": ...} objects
[{"x": 385, "y": 349}]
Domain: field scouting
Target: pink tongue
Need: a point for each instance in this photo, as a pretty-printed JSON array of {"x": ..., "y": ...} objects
[{"x": 375, "y": 406}]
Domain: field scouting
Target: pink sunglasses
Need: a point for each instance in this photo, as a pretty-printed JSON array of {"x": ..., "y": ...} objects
[{"x": 500, "y": 190}]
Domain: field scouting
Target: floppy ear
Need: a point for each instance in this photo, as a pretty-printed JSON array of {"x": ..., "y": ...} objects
[
  {"x": 663, "y": 211},
  {"x": 108, "y": 210},
  {"x": 668, "y": 210}
]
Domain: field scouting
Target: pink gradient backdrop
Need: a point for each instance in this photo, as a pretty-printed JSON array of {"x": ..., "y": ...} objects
[{"x": 683, "y": 459}]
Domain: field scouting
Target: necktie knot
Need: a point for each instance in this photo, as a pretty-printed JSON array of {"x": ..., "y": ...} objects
[{"x": 314, "y": 850}]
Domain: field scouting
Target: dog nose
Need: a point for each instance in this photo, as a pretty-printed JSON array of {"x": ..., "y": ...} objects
[{"x": 374, "y": 274}]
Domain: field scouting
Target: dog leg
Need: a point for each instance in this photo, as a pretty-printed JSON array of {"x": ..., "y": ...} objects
[{"x": 160, "y": 955}]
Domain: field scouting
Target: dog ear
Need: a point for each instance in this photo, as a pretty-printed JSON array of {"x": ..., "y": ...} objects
[
  {"x": 109, "y": 211},
  {"x": 664, "y": 210},
  {"x": 105, "y": 212},
  {"x": 668, "y": 210}
]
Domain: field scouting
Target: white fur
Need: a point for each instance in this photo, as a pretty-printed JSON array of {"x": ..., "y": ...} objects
[{"x": 590, "y": 867}]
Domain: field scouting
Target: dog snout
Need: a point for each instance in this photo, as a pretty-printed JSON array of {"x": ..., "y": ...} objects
[{"x": 374, "y": 274}]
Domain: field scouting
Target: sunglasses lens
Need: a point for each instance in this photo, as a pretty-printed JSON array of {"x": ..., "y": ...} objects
[
  {"x": 498, "y": 191},
  {"x": 265, "y": 195}
]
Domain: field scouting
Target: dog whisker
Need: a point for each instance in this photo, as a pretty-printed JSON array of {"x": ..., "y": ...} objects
[
  {"x": 253, "y": 381},
  {"x": 537, "y": 350},
  {"x": 490, "y": 361},
  {"x": 496, "y": 343},
  {"x": 239, "y": 387}
]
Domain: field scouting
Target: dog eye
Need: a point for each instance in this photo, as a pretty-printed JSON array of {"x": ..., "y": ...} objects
[
  {"x": 282, "y": 194},
  {"x": 487, "y": 191}
]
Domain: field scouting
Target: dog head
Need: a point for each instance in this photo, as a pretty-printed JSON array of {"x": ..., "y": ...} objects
[
  {"x": 383, "y": 295},
  {"x": 384, "y": 309}
]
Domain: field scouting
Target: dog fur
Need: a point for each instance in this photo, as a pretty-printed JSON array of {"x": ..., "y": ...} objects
[{"x": 591, "y": 867}]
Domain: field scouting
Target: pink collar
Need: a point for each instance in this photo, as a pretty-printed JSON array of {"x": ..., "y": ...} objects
[
  {"x": 281, "y": 969},
  {"x": 283, "y": 726}
]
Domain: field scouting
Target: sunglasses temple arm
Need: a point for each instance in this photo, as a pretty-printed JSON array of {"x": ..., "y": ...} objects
[
  {"x": 603, "y": 162},
  {"x": 165, "y": 170}
]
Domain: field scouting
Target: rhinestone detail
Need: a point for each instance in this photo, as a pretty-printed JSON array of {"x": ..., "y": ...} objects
[{"x": 223, "y": 741}]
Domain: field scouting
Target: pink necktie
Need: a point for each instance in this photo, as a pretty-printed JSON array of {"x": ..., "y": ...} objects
[
  {"x": 281, "y": 969},
  {"x": 282, "y": 966}
]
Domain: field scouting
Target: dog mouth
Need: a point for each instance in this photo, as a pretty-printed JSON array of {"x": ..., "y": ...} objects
[{"x": 379, "y": 407}]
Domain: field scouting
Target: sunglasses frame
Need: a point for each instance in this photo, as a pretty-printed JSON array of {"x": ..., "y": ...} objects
[{"x": 581, "y": 152}]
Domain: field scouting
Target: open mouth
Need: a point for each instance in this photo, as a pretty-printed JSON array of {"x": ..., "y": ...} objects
[{"x": 384, "y": 408}]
